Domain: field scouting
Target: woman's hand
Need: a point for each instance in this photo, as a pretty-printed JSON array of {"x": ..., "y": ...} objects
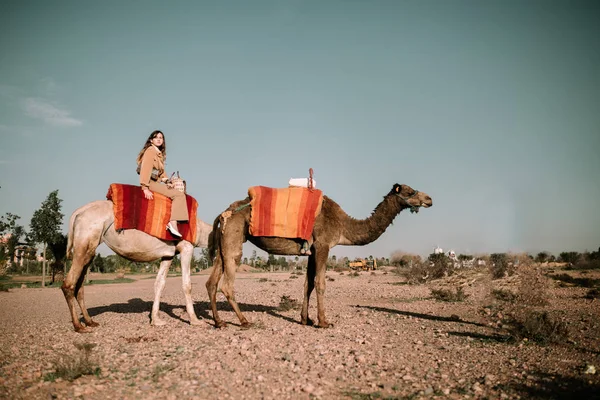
[{"x": 148, "y": 194}]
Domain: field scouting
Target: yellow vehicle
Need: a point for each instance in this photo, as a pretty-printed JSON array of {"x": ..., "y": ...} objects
[{"x": 361, "y": 264}]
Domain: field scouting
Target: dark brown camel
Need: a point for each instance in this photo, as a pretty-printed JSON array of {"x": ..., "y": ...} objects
[{"x": 332, "y": 227}]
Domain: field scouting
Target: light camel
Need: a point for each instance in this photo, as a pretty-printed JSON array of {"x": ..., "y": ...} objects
[
  {"x": 332, "y": 227},
  {"x": 93, "y": 224}
]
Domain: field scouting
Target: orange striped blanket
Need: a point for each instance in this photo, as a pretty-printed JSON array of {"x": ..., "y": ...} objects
[
  {"x": 288, "y": 213},
  {"x": 133, "y": 211}
]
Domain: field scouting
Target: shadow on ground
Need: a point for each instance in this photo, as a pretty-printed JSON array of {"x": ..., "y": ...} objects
[
  {"x": 553, "y": 386},
  {"x": 202, "y": 309},
  {"x": 452, "y": 318}
]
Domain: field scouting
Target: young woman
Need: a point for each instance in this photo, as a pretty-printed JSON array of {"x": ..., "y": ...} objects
[{"x": 151, "y": 167}]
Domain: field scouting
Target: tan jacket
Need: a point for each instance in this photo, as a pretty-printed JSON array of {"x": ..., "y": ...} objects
[{"x": 152, "y": 161}]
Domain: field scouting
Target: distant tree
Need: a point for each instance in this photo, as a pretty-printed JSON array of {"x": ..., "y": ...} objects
[
  {"x": 594, "y": 255},
  {"x": 542, "y": 257},
  {"x": 245, "y": 260},
  {"x": 58, "y": 248},
  {"x": 99, "y": 263},
  {"x": 45, "y": 225},
  {"x": 204, "y": 259},
  {"x": 271, "y": 261},
  {"x": 9, "y": 225},
  {"x": 570, "y": 257},
  {"x": 465, "y": 257},
  {"x": 283, "y": 262}
]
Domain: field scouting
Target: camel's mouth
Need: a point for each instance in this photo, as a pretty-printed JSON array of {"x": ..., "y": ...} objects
[{"x": 426, "y": 203}]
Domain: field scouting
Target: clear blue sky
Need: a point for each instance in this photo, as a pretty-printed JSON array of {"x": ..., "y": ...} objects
[{"x": 491, "y": 107}]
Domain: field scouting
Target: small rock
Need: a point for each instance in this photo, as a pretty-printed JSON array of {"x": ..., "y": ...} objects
[
  {"x": 308, "y": 388},
  {"x": 589, "y": 370}
]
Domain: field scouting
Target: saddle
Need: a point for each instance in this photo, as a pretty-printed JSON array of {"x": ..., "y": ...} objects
[
  {"x": 286, "y": 212},
  {"x": 133, "y": 211}
]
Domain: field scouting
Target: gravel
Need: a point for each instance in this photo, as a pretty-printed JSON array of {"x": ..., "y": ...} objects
[{"x": 389, "y": 340}]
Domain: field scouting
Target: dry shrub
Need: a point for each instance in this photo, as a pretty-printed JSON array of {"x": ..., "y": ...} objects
[
  {"x": 71, "y": 367},
  {"x": 534, "y": 286},
  {"x": 403, "y": 259},
  {"x": 583, "y": 282},
  {"x": 437, "y": 266},
  {"x": 593, "y": 294},
  {"x": 293, "y": 276},
  {"x": 504, "y": 295},
  {"x": 538, "y": 326},
  {"x": 263, "y": 279},
  {"x": 449, "y": 295},
  {"x": 501, "y": 266},
  {"x": 286, "y": 304}
]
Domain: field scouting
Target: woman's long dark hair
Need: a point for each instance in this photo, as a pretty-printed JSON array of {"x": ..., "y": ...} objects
[{"x": 148, "y": 143}]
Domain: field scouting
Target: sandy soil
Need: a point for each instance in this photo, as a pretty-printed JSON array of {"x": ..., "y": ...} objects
[{"x": 389, "y": 340}]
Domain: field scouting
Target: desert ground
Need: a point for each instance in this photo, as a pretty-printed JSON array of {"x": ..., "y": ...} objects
[{"x": 390, "y": 340}]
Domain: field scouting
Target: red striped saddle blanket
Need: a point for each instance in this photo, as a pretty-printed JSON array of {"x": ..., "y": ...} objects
[
  {"x": 133, "y": 211},
  {"x": 286, "y": 212}
]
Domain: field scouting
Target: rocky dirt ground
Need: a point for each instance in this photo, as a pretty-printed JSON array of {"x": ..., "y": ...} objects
[{"x": 389, "y": 341}]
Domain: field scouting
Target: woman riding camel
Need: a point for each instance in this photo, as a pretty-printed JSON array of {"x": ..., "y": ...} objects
[{"x": 151, "y": 167}]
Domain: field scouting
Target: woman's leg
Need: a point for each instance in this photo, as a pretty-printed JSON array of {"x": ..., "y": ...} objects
[{"x": 179, "y": 211}]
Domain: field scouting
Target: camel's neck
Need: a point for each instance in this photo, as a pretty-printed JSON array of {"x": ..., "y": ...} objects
[{"x": 360, "y": 232}]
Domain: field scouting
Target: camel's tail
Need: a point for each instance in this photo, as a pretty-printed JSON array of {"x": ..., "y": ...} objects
[
  {"x": 214, "y": 238},
  {"x": 69, "y": 252}
]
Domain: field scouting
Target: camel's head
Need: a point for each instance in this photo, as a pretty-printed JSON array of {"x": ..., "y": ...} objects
[{"x": 412, "y": 198}]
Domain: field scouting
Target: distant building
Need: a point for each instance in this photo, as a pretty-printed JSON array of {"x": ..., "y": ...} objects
[
  {"x": 23, "y": 252},
  {"x": 438, "y": 250}
]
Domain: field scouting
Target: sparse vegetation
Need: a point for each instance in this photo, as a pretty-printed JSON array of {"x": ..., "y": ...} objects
[
  {"x": 583, "y": 282},
  {"x": 504, "y": 295},
  {"x": 287, "y": 303},
  {"x": 501, "y": 266},
  {"x": 449, "y": 295},
  {"x": 263, "y": 280},
  {"x": 437, "y": 266},
  {"x": 593, "y": 294},
  {"x": 533, "y": 287},
  {"x": 538, "y": 326},
  {"x": 74, "y": 366}
]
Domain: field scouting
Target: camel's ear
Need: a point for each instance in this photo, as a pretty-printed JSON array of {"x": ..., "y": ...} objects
[{"x": 397, "y": 188}]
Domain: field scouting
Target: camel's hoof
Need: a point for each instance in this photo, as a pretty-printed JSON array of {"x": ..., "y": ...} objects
[
  {"x": 307, "y": 321},
  {"x": 195, "y": 322},
  {"x": 324, "y": 325},
  {"x": 220, "y": 324},
  {"x": 246, "y": 325},
  {"x": 83, "y": 329},
  {"x": 158, "y": 322},
  {"x": 92, "y": 324}
]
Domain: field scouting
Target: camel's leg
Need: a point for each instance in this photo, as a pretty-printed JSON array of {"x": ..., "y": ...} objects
[
  {"x": 81, "y": 301},
  {"x": 73, "y": 283},
  {"x": 159, "y": 285},
  {"x": 322, "y": 252},
  {"x": 231, "y": 261},
  {"x": 211, "y": 286},
  {"x": 186, "y": 249},
  {"x": 309, "y": 285}
]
